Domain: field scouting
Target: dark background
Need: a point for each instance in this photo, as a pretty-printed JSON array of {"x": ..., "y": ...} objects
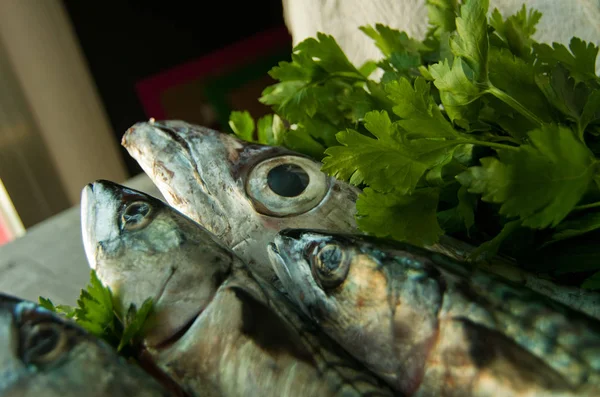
[{"x": 127, "y": 41}]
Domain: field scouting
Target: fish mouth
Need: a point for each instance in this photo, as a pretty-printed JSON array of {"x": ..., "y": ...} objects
[{"x": 168, "y": 152}]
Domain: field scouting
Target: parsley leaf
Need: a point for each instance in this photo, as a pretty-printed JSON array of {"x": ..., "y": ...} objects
[
  {"x": 96, "y": 314},
  {"x": 576, "y": 227},
  {"x": 388, "y": 162},
  {"x": 391, "y": 41},
  {"x": 134, "y": 322},
  {"x": 580, "y": 61},
  {"x": 242, "y": 125},
  {"x": 471, "y": 41},
  {"x": 410, "y": 218},
  {"x": 540, "y": 182},
  {"x": 516, "y": 31},
  {"x": 442, "y": 16}
]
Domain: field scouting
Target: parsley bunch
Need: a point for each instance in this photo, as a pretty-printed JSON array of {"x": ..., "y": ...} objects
[
  {"x": 95, "y": 313},
  {"x": 477, "y": 131}
]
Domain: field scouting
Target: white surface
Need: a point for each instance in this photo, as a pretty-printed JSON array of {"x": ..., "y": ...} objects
[
  {"x": 562, "y": 19},
  {"x": 49, "y": 260}
]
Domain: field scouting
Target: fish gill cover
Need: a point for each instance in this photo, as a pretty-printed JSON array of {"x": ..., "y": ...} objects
[{"x": 477, "y": 131}]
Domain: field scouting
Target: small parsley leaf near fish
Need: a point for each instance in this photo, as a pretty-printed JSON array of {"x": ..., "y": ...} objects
[
  {"x": 499, "y": 132},
  {"x": 95, "y": 313}
]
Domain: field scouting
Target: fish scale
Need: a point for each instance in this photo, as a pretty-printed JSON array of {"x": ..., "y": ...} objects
[{"x": 556, "y": 335}]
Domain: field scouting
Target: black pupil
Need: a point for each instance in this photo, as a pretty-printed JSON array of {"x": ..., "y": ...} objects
[
  {"x": 43, "y": 342},
  {"x": 331, "y": 259},
  {"x": 287, "y": 180},
  {"x": 136, "y": 212}
]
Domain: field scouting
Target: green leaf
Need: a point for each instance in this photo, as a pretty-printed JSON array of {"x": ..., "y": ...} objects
[
  {"x": 278, "y": 129},
  {"x": 471, "y": 41},
  {"x": 592, "y": 282},
  {"x": 391, "y": 41},
  {"x": 581, "y": 60},
  {"x": 466, "y": 207},
  {"x": 134, "y": 322},
  {"x": 291, "y": 71},
  {"x": 569, "y": 97},
  {"x": 242, "y": 125},
  {"x": 293, "y": 100},
  {"x": 303, "y": 143},
  {"x": 322, "y": 131},
  {"x": 411, "y": 218},
  {"x": 368, "y": 68},
  {"x": 442, "y": 15},
  {"x": 516, "y": 77},
  {"x": 591, "y": 110},
  {"x": 540, "y": 182},
  {"x": 576, "y": 227},
  {"x": 326, "y": 53},
  {"x": 264, "y": 127},
  {"x": 46, "y": 303},
  {"x": 65, "y": 310},
  {"x": 386, "y": 162},
  {"x": 457, "y": 91},
  {"x": 517, "y": 30},
  {"x": 422, "y": 116},
  {"x": 490, "y": 248}
]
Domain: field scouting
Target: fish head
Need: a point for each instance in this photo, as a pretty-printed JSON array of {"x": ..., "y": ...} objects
[
  {"x": 142, "y": 248},
  {"x": 242, "y": 192},
  {"x": 343, "y": 280},
  {"x": 42, "y": 354},
  {"x": 327, "y": 275}
]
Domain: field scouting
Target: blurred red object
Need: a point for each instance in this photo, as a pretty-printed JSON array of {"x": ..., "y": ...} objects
[
  {"x": 206, "y": 89},
  {"x": 5, "y": 236}
]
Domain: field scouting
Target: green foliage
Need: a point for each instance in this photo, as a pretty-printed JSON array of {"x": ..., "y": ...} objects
[
  {"x": 96, "y": 314},
  {"x": 476, "y": 131}
]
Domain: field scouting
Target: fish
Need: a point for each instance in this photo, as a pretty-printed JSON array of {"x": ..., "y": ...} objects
[
  {"x": 244, "y": 193},
  {"x": 233, "y": 335},
  {"x": 430, "y": 325},
  {"x": 43, "y": 354}
]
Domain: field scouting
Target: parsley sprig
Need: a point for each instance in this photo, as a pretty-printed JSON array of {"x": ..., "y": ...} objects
[
  {"x": 96, "y": 314},
  {"x": 477, "y": 131}
]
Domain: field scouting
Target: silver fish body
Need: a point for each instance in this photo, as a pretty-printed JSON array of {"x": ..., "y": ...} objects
[
  {"x": 432, "y": 326},
  {"x": 42, "y": 354},
  {"x": 243, "y": 338},
  {"x": 245, "y": 193}
]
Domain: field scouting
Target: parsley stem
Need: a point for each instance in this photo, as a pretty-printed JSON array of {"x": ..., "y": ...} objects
[
  {"x": 490, "y": 144},
  {"x": 586, "y": 206},
  {"x": 504, "y": 97}
]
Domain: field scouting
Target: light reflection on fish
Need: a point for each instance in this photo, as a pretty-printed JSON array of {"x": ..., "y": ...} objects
[
  {"x": 433, "y": 326},
  {"x": 215, "y": 329},
  {"x": 245, "y": 193},
  {"x": 42, "y": 354}
]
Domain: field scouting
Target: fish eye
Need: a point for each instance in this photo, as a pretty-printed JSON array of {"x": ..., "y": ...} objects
[
  {"x": 330, "y": 266},
  {"x": 43, "y": 343},
  {"x": 286, "y": 185},
  {"x": 135, "y": 215}
]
